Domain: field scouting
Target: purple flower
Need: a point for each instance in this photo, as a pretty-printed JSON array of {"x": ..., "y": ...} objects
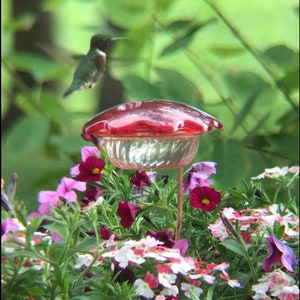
[
  {"x": 279, "y": 253},
  {"x": 198, "y": 175}
]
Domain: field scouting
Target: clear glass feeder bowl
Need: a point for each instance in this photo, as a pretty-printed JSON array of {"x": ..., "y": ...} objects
[
  {"x": 151, "y": 152},
  {"x": 149, "y": 134}
]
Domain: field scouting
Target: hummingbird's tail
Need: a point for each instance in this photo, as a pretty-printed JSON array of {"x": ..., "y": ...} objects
[{"x": 69, "y": 91}]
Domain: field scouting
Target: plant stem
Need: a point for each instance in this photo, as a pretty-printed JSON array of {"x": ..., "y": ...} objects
[{"x": 179, "y": 203}]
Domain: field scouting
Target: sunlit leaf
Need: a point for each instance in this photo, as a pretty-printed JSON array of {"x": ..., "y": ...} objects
[
  {"x": 39, "y": 66},
  {"x": 183, "y": 40},
  {"x": 179, "y": 25},
  {"x": 257, "y": 127},
  {"x": 244, "y": 112},
  {"x": 290, "y": 81},
  {"x": 28, "y": 135},
  {"x": 282, "y": 56},
  {"x": 139, "y": 88},
  {"x": 23, "y": 22},
  {"x": 224, "y": 51},
  {"x": 129, "y": 14},
  {"x": 176, "y": 86}
]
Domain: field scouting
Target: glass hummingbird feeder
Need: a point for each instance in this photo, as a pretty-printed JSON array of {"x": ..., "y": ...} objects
[{"x": 151, "y": 134}]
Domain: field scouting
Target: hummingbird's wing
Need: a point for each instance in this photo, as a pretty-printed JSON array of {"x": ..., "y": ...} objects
[{"x": 88, "y": 72}]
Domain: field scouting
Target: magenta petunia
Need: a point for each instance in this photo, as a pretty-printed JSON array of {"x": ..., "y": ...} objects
[
  {"x": 142, "y": 179},
  {"x": 105, "y": 233},
  {"x": 127, "y": 212},
  {"x": 279, "y": 253},
  {"x": 182, "y": 245},
  {"x": 91, "y": 197},
  {"x": 91, "y": 169},
  {"x": 205, "y": 198},
  {"x": 165, "y": 236}
]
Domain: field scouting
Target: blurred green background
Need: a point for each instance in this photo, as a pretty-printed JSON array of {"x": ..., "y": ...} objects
[{"x": 237, "y": 60}]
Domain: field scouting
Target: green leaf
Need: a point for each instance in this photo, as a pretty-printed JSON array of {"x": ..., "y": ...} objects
[
  {"x": 23, "y": 22},
  {"x": 59, "y": 229},
  {"x": 290, "y": 82},
  {"x": 129, "y": 14},
  {"x": 244, "y": 112},
  {"x": 176, "y": 86},
  {"x": 257, "y": 127},
  {"x": 282, "y": 56},
  {"x": 234, "y": 246},
  {"x": 28, "y": 135},
  {"x": 22, "y": 253},
  {"x": 227, "y": 51},
  {"x": 42, "y": 68},
  {"x": 210, "y": 293},
  {"x": 183, "y": 40},
  {"x": 179, "y": 25},
  {"x": 139, "y": 88}
]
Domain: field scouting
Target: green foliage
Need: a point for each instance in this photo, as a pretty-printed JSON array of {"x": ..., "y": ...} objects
[
  {"x": 34, "y": 264},
  {"x": 238, "y": 61}
]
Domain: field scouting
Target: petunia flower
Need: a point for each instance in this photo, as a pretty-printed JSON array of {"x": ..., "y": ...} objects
[
  {"x": 66, "y": 189},
  {"x": 91, "y": 169},
  {"x": 205, "y": 198},
  {"x": 127, "y": 212},
  {"x": 142, "y": 179},
  {"x": 165, "y": 236},
  {"x": 182, "y": 245},
  {"x": 198, "y": 175},
  {"x": 123, "y": 274},
  {"x": 46, "y": 200},
  {"x": 277, "y": 172},
  {"x": 277, "y": 284},
  {"x": 10, "y": 225},
  {"x": 86, "y": 152},
  {"x": 91, "y": 198},
  {"x": 279, "y": 253},
  {"x": 105, "y": 233}
]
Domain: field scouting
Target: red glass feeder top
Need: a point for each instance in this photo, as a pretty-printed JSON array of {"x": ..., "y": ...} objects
[{"x": 150, "y": 118}]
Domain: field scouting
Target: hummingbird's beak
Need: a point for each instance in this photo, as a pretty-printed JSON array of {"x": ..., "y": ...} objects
[{"x": 118, "y": 38}]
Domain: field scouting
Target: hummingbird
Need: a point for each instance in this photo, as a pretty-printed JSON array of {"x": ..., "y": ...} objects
[{"x": 92, "y": 66}]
